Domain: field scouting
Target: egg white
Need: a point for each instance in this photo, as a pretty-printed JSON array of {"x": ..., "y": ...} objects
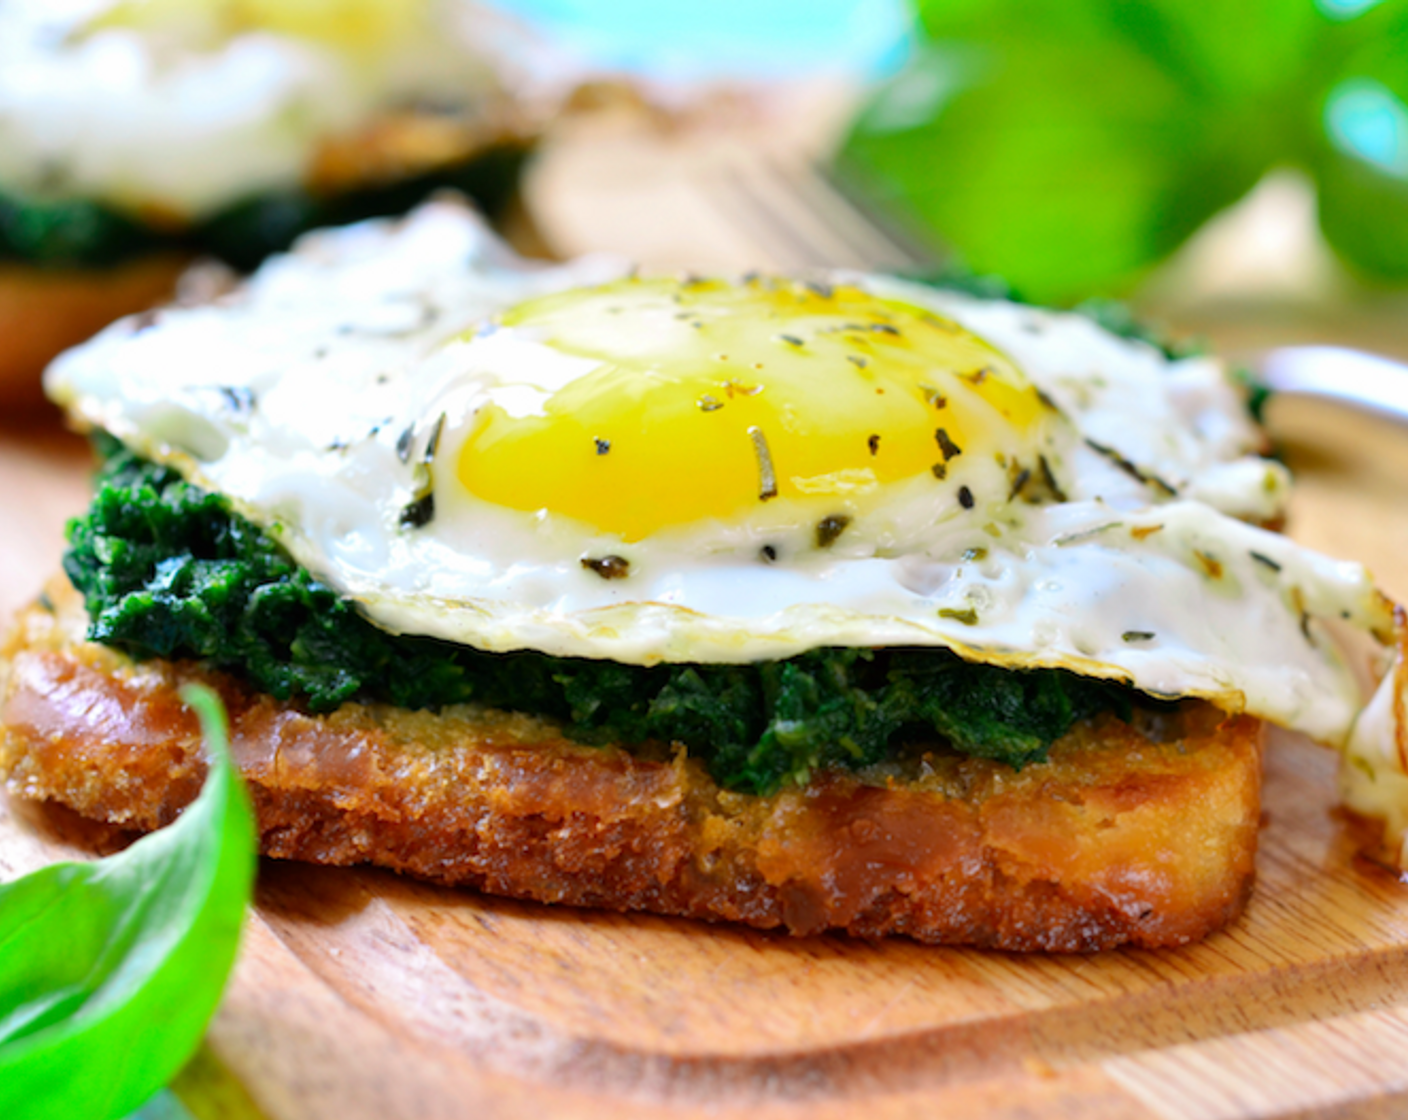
[{"x": 310, "y": 397}]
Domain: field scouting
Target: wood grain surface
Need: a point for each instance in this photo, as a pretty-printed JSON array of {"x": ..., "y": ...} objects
[{"x": 363, "y": 995}]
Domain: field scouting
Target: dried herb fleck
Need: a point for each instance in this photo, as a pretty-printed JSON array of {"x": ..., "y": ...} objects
[
  {"x": 767, "y": 476},
  {"x": 1148, "y": 478}
]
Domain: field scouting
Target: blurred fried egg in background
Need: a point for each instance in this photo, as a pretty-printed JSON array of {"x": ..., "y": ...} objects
[{"x": 169, "y": 111}]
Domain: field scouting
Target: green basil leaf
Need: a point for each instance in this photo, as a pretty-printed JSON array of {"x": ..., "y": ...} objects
[
  {"x": 1071, "y": 147},
  {"x": 1360, "y": 158},
  {"x": 110, "y": 970},
  {"x": 1227, "y": 55},
  {"x": 1066, "y": 171}
]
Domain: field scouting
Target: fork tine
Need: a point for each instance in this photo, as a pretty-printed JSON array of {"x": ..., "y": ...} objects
[
  {"x": 914, "y": 250},
  {"x": 862, "y": 242},
  {"x": 805, "y": 220},
  {"x": 776, "y": 223}
]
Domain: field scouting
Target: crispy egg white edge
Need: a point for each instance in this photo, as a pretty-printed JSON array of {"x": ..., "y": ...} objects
[{"x": 358, "y": 300}]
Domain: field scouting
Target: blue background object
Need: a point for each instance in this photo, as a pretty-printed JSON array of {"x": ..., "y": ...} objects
[{"x": 728, "y": 38}]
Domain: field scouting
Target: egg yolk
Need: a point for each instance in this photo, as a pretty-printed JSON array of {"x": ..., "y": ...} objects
[
  {"x": 709, "y": 398},
  {"x": 354, "y": 25}
]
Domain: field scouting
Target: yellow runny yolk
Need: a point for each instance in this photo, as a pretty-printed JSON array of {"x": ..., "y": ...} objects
[
  {"x": 709, "y": 398},
  {"x": 358, "y": 26}
]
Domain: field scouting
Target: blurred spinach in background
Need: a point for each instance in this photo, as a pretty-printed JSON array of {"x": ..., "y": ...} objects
[{"x": 1070, "y": 145}]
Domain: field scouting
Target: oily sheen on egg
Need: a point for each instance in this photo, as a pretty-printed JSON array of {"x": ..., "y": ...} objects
[{"x": 578, "y": 461}]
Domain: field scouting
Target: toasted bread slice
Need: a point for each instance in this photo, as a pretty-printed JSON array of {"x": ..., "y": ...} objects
[
  {"x": 44, "y": 310},
  {"x": 1141, "y": 834}
]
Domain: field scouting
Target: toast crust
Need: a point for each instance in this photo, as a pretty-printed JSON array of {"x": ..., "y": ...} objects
[
  {"x": 1142, "y": 835},
  {"x": 46, "y": 310}
]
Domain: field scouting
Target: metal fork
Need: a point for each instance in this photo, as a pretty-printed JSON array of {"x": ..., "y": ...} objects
[{"x": 806, "y": 219}]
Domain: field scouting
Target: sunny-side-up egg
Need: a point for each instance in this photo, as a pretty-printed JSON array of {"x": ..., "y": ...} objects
[
  {"x": 171, "y": 110},
  {"x": 579, "y": 461}
]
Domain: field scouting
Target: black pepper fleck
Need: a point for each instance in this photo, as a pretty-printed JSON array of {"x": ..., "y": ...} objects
[
  {"x": 419, "y": 513},
  {"x": 965, "y": 497},
  {"x": 608, "y": 567},
  {"x": 829, "y": 528},
  {"x": 602, "y": 445},
  {"x": 947, "y": 447}
]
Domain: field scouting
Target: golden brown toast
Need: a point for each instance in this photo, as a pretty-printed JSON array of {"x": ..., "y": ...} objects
[
  {"x": 44, "y": 310},
  {"x": 1142, "y": 834}
]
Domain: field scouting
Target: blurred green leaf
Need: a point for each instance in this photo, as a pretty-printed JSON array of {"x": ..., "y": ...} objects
[
  {"x": 1360, "y": 159},
  {"x": 1072, "y": 146},
  {"x": 163, "y": 1106}
]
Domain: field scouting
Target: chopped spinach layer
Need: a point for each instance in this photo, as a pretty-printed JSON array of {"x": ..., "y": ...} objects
[
  {"x": 80, "y": 233},
  {"x": 170, "y": 570}
]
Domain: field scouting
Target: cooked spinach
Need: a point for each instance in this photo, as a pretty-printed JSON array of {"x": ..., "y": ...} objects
[
  {"x": 110, "y": 971},
  {"x": 168, "y": 569}
]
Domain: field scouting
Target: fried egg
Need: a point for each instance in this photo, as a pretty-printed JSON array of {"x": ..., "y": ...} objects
[
  {"x": 581, "y": 461},
  {"x": 174, "y": 109}
]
